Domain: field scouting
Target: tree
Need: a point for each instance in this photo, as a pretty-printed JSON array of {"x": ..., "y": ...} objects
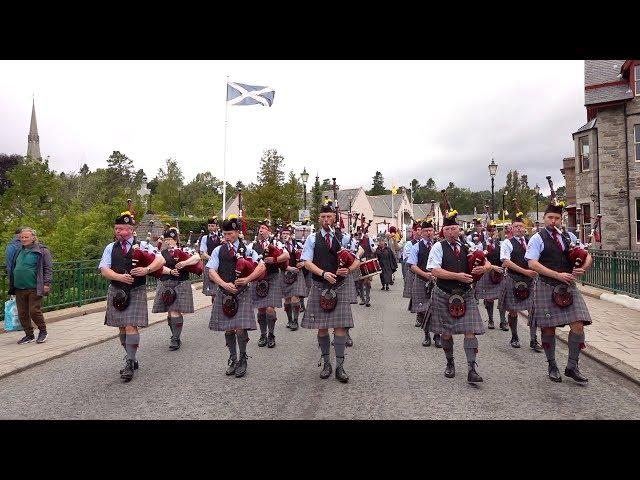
[
  {"x": 120, "y": 168},
  {"x": 316, "y": 202},
  {"x": 84, "y": 170},
  {"x": 170, "y": 181},
  {"x": 7, "y": 162},
  {"x": 378, "y": 186},
  {"x": 431, "y": 184}
]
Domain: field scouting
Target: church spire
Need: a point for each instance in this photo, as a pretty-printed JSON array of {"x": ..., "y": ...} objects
[{"x": 33, "y": 147}]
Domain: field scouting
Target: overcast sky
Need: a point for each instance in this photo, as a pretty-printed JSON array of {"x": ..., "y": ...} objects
[{"x": 407, "y": 119}]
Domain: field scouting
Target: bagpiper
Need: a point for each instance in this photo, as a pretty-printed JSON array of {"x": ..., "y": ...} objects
[
  {"x": 453, "y": 308},
  {"x": 127, "y": 293},
  {"x": 208, "y": 243},
  {"x": 293, "y": 282},
  {"x": 559, "y": 261},
  {"x": 232, "y": 310},
  {"x": 410, "y": 275},
  {"x": 329, "y": 304}
]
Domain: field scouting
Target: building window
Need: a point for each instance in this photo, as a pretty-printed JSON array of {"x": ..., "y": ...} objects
[
  {"x": 584, "y": 153},
  {"x": 637, "y": 79},
  {"x": 637, "y": 220},
  {"x": 586, "y": 220},
  {"x": 636, "y": 141}
]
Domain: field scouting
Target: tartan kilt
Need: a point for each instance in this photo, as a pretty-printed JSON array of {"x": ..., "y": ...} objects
[
  {"x": 273, "y": 298},
  {"x": 316, "y": 318},
  {"x": 308, "y": 281},
  {"x": 487, "y": 290},
  {"x": 419, "y": 300},
  {"x": 546, "y": 313},
  {"x": 441, "y": 320},
  {"x": 208, "y": 287},
  {"x": 351, "y": 287},
  {"x": 136, "y": 313},
  {"x": 244, "y": 318},
  {"x": 408, "y": 284},
  {"x": 356, "y": 274},
  {"x": 184, "y": 297},
  {"x": 296, "y": 289},
  {"x": 508, "y": 300}
]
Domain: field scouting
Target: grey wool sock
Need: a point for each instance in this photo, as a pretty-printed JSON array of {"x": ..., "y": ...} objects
[
  {"x": 488, "y": 304},
  {"x": 295, "y": 309},
  {"x": 532, "y": 333},
  {"x": 513, "y": 324},
  {"x": 339, "y": 345},
  {"x": 575, "y": 341},
  {"x": 549, "y": 345},
  {"x": 176, "y": 323},
  {"x": 170, "y": 324},
  {"x": 123, "y": 339},
  {"x": 287, "y": 309},
  {"x": 325, "y": 345},
  {"x": 262, "y": 321},
  {"x": 470, "y": 350},
  {"x": 447, "y": 346},
  {"x": 243, "y": 338},
  {"x": 230, "y": 339},
  {"x": 131, "y": 345},
  {"x": 503, "y": 314},
  {"x": 271, "y": 322}
]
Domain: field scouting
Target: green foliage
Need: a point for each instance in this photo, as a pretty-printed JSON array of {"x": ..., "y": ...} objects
[
  {"x": 168, "y": 191},
  {"x": 378, "y": 186},
  {"x": 316, "y": 202}
]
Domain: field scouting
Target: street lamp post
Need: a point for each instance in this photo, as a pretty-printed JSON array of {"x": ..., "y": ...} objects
[
  {"x": 349, "y": 216},
  {"x": 504, "y": 196},
  {"x": 433, "y": 209},
  {"x": 537, "y": 199},
  {"x": 493, "y": 168},
  {"x": 304, "y": 176}
]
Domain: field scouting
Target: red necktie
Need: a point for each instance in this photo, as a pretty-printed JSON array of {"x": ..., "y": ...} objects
[
  {"x": 554, "y": 232},
  {"x": 328, "y": 239},
  {"x": 456, "y": 250},
  {"x": 124, "y": 247},
  {"x": 289, "y": 247},
  {"x": 524, "y": 245},
  {"x": 231, "y": 250}
]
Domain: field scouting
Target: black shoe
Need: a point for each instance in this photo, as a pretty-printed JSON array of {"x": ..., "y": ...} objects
[
  {"x": 473, "y": 377},
  {"x": 289, "y": 324},
  {"x": 554, "y": 374},
  {"x": 341, "y": 375},
  {"x": 263, "y": 340},
  {"x": 26, "y": 339},
  {"x": 535, "y": 346},
  {"x": 491, "y": 325},
  {"x": 348, "y": 341},
  {"x": 175, "y": 343},
  {"x": 387, "y": 289},
  {"x": 327, "y": 370},
  {"x": 515, "y": 342},
  {"x": 575, "y": 374},
  {"x": 42, "y": 336},
  {"x": 368, "y": 304},
  {"x": 241, "y": 366},
  {"x": 271, "y": 341},
  {"x": 419, "y": 322},
  {"x": 233, "y": 363},
  {"x": 127, "y": 372},
  {"x": 135, "y": 365},
  {"x": 382, "y": 287},
  {"x": 362, "y": 302},
  {"x": 427, "y": 341},
  {"x": 450, "y": 371},
  {"x": 437, "y": 341},
  {"x": 504, "y": 326},
  {"x": 294, "y": 325}
]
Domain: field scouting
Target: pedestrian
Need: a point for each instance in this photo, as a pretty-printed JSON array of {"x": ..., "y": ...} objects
[
  {"x": 293, "y": 282},
  {"x": 173, "y": 293},
  {"x": 410, "y": 276},
  {"x": 12, "y": 247},
  {"x": 30, "y": 272},
  {"x": 453, "y": 308},
  {"x": 232, "y": 311},
  {"x": 387, "y": 261},
  {"x": 556, "y": 300},
  {"x": 127, "y": 292},
  {"x": 207, "y": 244},
  {"x": 329, "y": 304}
]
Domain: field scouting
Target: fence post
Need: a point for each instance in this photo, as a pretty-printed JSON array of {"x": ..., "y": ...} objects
[
  {"x": 78, "y": 282},
  {"x": 614, "y": 271}
]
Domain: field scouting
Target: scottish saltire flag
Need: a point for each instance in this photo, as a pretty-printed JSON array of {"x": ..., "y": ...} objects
[{"x": 241, "y": 94}]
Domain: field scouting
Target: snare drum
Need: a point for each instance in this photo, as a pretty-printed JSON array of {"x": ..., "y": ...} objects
[{"x": 369, "y": 268}]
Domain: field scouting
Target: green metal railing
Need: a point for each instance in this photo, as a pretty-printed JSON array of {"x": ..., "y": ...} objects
[
  {"x": 73, "y": 284},
  {"x": 615, "y": 270}
]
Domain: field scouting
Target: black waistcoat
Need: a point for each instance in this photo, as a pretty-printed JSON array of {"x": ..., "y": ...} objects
[
  {"x": 494, "y": 257},
  {"x": 323, "y": 258},
  {"x": 227, "y": 263},
  {"x": 517, "y": 256},
  {"x": 212, "y": 243},
  {"x": 423, "y": 256},
  {"x": 257, "y": 247},
  {"x": 551, "y": 257},
  {"x": 453, "y": 264},
  {"x": 171, "y": 264},
  {"x": 292, "y": 254},
  {"x": 121, "y": 263}
]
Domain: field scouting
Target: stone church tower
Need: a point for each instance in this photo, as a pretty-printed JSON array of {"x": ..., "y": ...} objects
[{"x": 33, "y": 147}]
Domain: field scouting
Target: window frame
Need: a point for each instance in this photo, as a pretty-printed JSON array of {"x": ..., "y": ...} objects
[
  {"x": 584, "y": 208},
  {"x": 581, "y": 153},
  {"x": 636, "y": 71},
  {"x": 636, "y": 141},
  {"x": 637, "y": 220}
]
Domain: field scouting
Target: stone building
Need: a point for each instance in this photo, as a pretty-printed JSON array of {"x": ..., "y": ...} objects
[
  {"x": 607, "y": 153},
  {"x": 569, "y": 173},
  {"x": 33, "y": 139}
]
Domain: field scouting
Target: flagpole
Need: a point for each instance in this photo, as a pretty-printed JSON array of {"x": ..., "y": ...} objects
[{"x": 224, "y": 157}]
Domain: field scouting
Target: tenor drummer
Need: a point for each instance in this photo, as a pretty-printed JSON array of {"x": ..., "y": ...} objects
[
  {"x": 207, "y": 244},
  {"x": 517, "y": 294},
  {"x": 174, "y": 294},
  {"x": 410, "y": 276},
  {"x": 236, "y": 320},
  {"x": 267, "y": 293},
  {"x": 479, "y": 235},
  {"x": 368, "y": 253},
  {"x": 424, "y": 280},
  {"x": 127, "y": 293},
  {"x": 329, "y": 304},
  {"x": 453, "y": 308},
  {"x": 557, "y": 301},
  {"x": 293, "y": 282}
]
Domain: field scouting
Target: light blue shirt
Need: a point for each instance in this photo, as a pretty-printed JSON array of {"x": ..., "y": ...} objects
[
  {"x": 536, "y": 246},
  {"x": 203, "y": 242},
  {"x": 506, "y": 248},
  {"x": 105, "y": 261},
  {"x": 435, "y": 255},
  {"x": 412, "y": 259},
  {"x": 307, "y": 252},
  {"x": 214, "y": 261},
  {"x": 406, "y": 249}
]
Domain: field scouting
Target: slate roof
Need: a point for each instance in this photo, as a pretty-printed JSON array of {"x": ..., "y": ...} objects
[
  {"x": 611, "y": 93},
  {"x": 343, "y": 197},
  {"x": 587, "y": 126},
  {"x": 604, "y": 71},
  {"x": 381, "y": 204}
]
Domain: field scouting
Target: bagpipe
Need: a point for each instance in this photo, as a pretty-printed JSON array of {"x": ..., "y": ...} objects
[
  {"x": 273, "y": 251},
  {"x": 143, "y": 258},
  {"x": 180, "y": 255}
]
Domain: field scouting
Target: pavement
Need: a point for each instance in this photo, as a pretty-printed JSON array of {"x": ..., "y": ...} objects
[{"x": 391, "y": 377}]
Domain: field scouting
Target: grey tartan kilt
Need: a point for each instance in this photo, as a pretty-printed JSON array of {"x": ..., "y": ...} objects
[
  {"x": 208, "y": 287},
  {"x": 508, "y": 300},
  {"x": 547, "y": 314},
  {"x": 316, "y": 318},
  {"x": 244, "y": 318},
  {"x": 273, "y": 298},
  {"x": 296, "y": 289},
  {"x": 351, "y": 287},
  {"x": 419, "y": 300},
  {"x": 488, "y": 290},
  {"x": 356, "y": 274},
  {"x": 408, "y": 284},
  {"x": 441, "y": 320},
  {"x": 308, "y": 281},
  {"x": 184, "y": 297},
  {"x": 136, "y": 313}
]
